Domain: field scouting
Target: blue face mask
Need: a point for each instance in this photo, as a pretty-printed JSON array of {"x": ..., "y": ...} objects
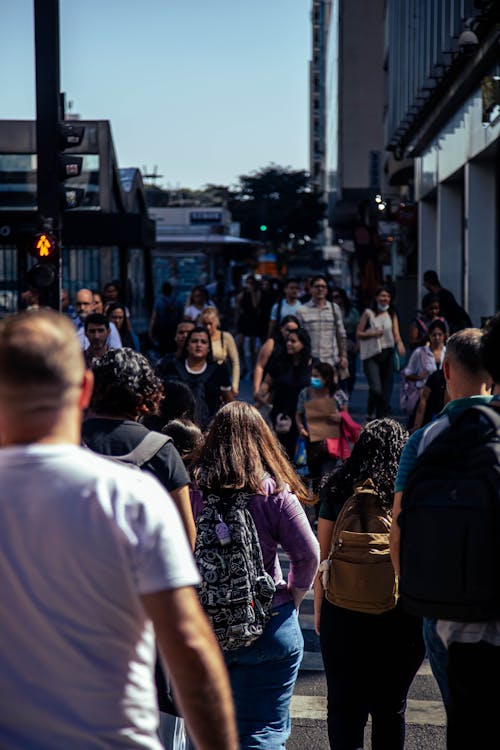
[
  {"x": 382, "y": 308},
  {"x": 316, "y": 382}
]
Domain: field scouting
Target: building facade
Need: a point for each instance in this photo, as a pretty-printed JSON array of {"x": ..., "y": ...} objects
[
  {"x": 354, "y": 137},
  {"x": 443, "y": 112},
  {"x": 107, "y": 237},
  {"x": 320, "y": 20}
]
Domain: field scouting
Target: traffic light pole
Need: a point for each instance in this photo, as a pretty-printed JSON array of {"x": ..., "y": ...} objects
[{"x": 48, "y": 118}]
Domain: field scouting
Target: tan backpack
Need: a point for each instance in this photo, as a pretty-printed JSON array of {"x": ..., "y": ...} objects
[{"x": 360, "y": 572}]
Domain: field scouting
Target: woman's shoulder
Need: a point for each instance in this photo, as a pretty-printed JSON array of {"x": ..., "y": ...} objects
[
  {"x": 226, "y": 336},
  {"x": 270, "y": 488}
]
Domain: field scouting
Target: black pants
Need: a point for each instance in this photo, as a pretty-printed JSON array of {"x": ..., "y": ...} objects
[
  {"x": 379, "y": 371},
  {"x": 474, "y": 700},
  {"x": 370, "y": 662}
]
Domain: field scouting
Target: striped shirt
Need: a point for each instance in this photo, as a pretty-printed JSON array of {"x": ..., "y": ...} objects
[{"x": 325, "y": 327}]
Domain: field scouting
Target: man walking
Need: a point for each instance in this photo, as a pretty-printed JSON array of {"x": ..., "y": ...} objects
[
  {"x": 325, "y": 326},
  {"x": 91, "y": 554},
  {"x": 96, "y": 328},
  {"x": 287, "y": 305},
  {"x": 84, "y": 304},
  {"x": 468, "y": 384},
  {"x": 455, "y": 315}
]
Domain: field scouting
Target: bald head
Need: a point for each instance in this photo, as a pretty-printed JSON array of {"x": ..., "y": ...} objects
[
  {"x": 41, "y": 362},
  {"x": 84, "y": 303}
]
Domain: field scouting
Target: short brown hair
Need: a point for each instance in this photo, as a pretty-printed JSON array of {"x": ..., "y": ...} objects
[
  {"x": 464, "y": 348},
  {"x": 40, "y": 358}
]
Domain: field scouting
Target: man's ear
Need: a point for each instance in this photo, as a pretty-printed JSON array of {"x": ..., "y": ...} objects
[
  {"x": 87, "y": 388},
  {"x": 446, "y": 370}
]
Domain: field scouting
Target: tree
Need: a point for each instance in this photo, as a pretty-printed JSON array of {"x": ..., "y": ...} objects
[{"x": 279, "y": 199}]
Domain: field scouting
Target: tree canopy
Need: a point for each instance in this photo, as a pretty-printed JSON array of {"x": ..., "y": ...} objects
[
  {"x": 280, "y": 199},
  {"x": 277, "y": 198}
]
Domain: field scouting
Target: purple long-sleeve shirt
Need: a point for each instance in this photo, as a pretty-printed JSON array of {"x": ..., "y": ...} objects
[{"x": 280, "y": 520}]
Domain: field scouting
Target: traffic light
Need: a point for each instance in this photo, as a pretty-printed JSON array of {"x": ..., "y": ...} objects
[
  {"x": 43, "y": 246},
  {"x": 70, "y": 165},
  {"x": 263, "y": 227}
]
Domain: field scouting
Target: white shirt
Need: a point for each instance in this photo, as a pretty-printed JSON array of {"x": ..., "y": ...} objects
[
  {"x": 81, "y": 537},
  {"x": 286, "y": 309}
]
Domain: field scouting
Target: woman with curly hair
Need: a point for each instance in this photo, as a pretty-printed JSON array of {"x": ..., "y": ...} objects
[
  {"x": 370, "y": 659},
  {"x": 126, "y": 389}
]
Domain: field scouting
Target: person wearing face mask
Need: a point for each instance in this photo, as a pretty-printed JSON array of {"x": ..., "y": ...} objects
[
  {"x": 378, "y": 335},
  {"x": 323, "y": 456}
]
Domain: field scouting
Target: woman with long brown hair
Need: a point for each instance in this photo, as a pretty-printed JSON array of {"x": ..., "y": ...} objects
[{"x": 241, "y": 455}]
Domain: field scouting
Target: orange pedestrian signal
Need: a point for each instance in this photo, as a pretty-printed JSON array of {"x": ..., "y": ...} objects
[{"x": 44, "y": 246}]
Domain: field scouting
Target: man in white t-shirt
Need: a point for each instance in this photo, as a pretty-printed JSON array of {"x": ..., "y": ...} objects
[
  {"x": 92, "y": 556},
  {"x": 287, "y": 305}
]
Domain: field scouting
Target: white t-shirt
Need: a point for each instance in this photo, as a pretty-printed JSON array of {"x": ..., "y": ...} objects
[
  {"x": 80, "y": 538},
  {"x": 286, "y": 309}
]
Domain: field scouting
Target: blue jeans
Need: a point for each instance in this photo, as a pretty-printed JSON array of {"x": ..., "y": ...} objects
[
  {"x": 262, "y": 679},
  {"x": 438, "y": 657}
]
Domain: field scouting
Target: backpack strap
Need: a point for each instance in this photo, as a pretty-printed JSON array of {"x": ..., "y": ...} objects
[
  {"x": 145, "y": 450},
  {"x": 491, "y": 413},
  {"x": 278, "y": 311},
  {"x": 431, "y": 431}
]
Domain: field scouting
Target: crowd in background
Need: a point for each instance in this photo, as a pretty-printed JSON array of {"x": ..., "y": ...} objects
[{"x": 276, "y": 332}]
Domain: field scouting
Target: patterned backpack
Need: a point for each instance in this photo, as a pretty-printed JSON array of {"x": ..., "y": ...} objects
[{"x": 236, "y": 592}]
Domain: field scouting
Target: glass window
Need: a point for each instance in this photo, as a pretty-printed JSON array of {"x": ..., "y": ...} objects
[
  {"x": 17, "y": 181},
  {"x": 88, "y": 180}
]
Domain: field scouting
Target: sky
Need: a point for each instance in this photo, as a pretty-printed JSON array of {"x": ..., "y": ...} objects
[{"x": 199, "y": 91}]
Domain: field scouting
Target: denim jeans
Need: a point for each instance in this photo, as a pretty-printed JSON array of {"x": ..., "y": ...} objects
[
  {"x": 262, "y": 679},
  {"x": 438, "y": 657}
]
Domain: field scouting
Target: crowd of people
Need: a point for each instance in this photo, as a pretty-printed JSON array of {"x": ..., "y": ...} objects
[{"x": 94, "y": 551}]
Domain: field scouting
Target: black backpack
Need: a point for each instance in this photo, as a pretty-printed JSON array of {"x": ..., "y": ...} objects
[
  {"x": 236, "y": 591},
  {"x": 450, "y": 522}
]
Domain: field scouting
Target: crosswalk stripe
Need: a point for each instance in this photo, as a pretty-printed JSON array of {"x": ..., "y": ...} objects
[
  {"x": 427, "y": 712},
  {"x": 313, "y": 662}
]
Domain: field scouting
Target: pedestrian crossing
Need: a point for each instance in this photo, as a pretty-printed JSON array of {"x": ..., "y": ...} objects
[{"x": 425, "y": 714}]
